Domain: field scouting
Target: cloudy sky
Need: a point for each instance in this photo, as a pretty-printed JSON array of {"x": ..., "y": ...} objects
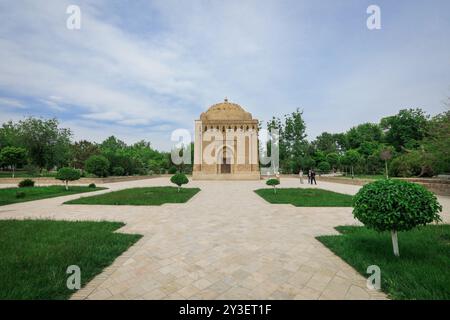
[{"x": 140, "y": 69}]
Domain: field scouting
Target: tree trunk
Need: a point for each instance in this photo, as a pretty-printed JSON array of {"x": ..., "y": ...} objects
[
  {"x": 178, "y": 188},
  {"x": 274, "y": 189},
  {"x": 14, "y": 169},
  {"x": 353, "y": 175},
  {"x": 385, "y": 164},
  {"x": 395, "y": 242},
  {"x": 67, "y": 185}
]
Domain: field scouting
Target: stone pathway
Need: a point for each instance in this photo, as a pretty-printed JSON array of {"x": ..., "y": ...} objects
[{"x": 225, "y": 243}]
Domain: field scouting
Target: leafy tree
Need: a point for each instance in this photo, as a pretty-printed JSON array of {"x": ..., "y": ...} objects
[
  {"x": 324, "y": 167},
  {"x": 351, "y": 158},
  {"x": 13, "y": 156},
  {"x": 273, "y": 183},
  {"x": 386, "y": 155},
  {"x": 10, "y": 135},
  {"x": 67, "y": 174},
  {"x": 179, "y": 179},
  {"x": 97, "y": 165},
  {"x": 327, "y": 143},
  {"x": 366, "y": 132},
  {"x": 395, "y": 205},
  {"x": 405, "y": 129},
  {"x": 46, "y": 143},
  {"x": 81, "y": 151},
  {"x": 333, "y": 159},
  {"x": 437, "y": 143}
]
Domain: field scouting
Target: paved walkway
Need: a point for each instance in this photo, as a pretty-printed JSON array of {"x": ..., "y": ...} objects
[{"x": 225, "y": 243}]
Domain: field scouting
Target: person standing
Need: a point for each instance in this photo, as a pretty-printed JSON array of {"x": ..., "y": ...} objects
[
  {"x": 300, "y": 174},
  {"x": 313, "y": 177}
]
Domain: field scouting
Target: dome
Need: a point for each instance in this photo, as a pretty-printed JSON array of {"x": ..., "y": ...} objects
[{"x": 225, "y": 111}]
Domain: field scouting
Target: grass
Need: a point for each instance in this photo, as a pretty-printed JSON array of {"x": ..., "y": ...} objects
[
  {"x": 310, "y": 197},
  {"x": 35, "y": 254},
  {"x": 150, "y": 196},
  {"x": 23, "y": 174},
  {"x": 365, "y": 176},
  {"x": 8, "y": 195},
  {"x": 421, "y": 272}
]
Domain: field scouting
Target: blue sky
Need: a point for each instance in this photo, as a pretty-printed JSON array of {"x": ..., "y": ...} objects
[{"x": 140, "y": 69}]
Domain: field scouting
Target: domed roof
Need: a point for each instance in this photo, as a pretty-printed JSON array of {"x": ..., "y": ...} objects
[{"x": 225, "y": 111}]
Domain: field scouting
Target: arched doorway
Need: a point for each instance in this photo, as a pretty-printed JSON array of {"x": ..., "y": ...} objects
[{"x": 224, "y": 160}]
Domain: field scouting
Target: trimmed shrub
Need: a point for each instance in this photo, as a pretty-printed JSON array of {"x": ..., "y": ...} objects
[
  {"x": 92, "y": 185},
  {"x": 118, "y": 171},
  {"x": 179, "y": 179},
  {"x": 26, "y": 183},
  {"x": 67, "y": 174},
  {"x": 97, "y": 165},
  {"x": 395, "y": 205},
  {"x": 172, "y": 170},
  {"x": 20, "y": 194},
  {"x": 273, "y": 183}
]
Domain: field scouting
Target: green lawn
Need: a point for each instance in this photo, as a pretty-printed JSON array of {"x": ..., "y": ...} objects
[
  {"x": 150, "y": 196},
  {"x": 23, "y": 174},
  {"x": 421, "y": 272},
  {"x": 365, "y": 176},
  {"x": 8, "y": 195},
  {"x": 306, "y": 197},
  {"x": 35, "y": 254}
]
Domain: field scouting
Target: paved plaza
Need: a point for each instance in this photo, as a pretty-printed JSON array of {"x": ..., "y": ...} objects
[{"x": 225, "y": 243}]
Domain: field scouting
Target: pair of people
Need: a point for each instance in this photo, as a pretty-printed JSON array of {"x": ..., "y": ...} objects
[{"x": 311, "y": 176}]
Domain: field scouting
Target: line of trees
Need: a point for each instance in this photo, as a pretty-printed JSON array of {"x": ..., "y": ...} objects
[
  {"x": 38, "y": 145},
  {"x": 410, "y": 143}
]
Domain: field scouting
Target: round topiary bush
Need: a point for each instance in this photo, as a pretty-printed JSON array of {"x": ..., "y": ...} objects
[
  {"x": 26, "y": 183},
  {"x": 395, "y": 205},
  {"x": 179, "y": 179},
  {"x": 273, "y": 183},
  {"x": 67, "y": 174},
  {"x": 172, "y": 170},
  {"x": 92, "y": 185}
]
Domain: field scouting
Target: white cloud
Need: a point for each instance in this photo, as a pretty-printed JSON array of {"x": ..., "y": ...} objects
[{"x": 11, "y": 103}]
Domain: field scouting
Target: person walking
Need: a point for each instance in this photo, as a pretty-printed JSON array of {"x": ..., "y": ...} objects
[
  {"x": 300, "y": 174},
  {"x": 313, "y": 177}
]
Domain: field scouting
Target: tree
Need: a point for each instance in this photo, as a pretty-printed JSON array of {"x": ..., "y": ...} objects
[
  {"x": 81, "y": 151},
  {"x": 46, "y": 143},
  {"x": 273, "y": 183},
  {"x": 437, "y": 143},
  {"x": 405, "y": 129},
  {"x": 326, "y": 142},
  {"x": 67, "y": 174},
  {"x": 97, "y": 165},
  {"x": 10, "y": 135},
  {"x": 351, "y": 158},
  {"x": 333, "y": 159},
  {"x": 366, "y": 132},
  {"x": 324, "y": 167},
  {"x": 179, "y": 179},
  {"x": 13, "y": 156},
  {"x": 395, "y": 205},
  {"x": 385, "y": 155}
]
